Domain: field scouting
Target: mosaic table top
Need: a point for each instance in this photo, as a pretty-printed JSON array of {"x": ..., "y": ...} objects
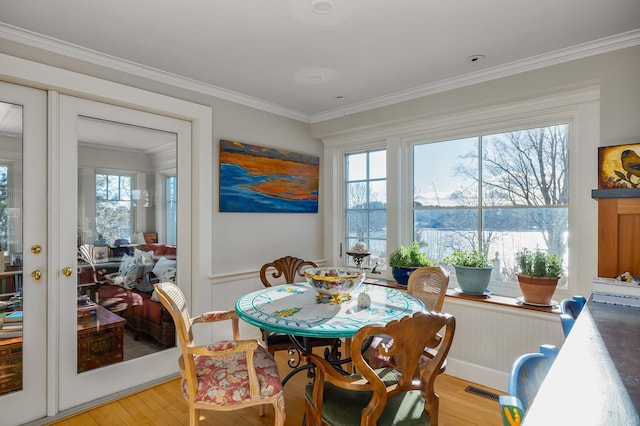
[{"x": 295, "y": 309}]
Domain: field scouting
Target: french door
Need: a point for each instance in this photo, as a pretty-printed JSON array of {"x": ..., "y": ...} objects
[
  {"x": 23, "y": 253},
  {"x": 117, "y": 173},
  {"x": 45, "y": 214}
]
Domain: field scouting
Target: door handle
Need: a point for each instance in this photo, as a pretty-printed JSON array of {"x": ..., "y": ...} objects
[
  {"x": 66, "y": 271},
  {"x": 36, "y": 275},
  {"x": 36, "y": 248}
]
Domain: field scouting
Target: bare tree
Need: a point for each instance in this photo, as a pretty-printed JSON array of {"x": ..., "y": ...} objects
[{"x": 528, "y": 168}]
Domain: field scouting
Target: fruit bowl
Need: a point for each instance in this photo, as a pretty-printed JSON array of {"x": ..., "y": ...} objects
[{"x": 334, "y": 280}]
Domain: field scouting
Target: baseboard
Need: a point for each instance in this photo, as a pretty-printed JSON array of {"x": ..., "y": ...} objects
[{"x": 477, "y": 374}]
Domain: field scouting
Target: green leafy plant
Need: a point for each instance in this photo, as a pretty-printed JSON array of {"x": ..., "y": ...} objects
[
  {"x": 538, "y": 263},
  {"x": 468, "y": 258},
  {"x": 410, "y": 257}
]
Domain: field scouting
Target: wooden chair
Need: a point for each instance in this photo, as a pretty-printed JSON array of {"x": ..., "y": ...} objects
[
  {"x": 429, "y": 284},
  {"x": 287, "y": 270},
  {"x": 403, "y": 394},
  {"x": 527, "y": 373},
  {"x": 225, "y": 375},
  {"x": 570, "y": 309}
]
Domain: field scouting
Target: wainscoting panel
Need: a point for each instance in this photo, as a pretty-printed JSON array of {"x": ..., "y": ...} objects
[{"x": 489, "y": 338}]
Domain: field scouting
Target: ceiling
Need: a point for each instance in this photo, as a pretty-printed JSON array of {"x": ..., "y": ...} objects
[{"x": 281, "y": 56}]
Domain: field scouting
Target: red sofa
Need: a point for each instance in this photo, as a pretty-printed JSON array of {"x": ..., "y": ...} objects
[
  {"x": 134, "y": 302},
  {"x": 143, "y": 314}
]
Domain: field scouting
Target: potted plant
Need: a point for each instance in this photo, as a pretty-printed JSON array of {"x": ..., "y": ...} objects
[
  {"x": 405, "y": 260},
  {"x": 539, "y": 275},
  {"x": 473, "y": 270}
]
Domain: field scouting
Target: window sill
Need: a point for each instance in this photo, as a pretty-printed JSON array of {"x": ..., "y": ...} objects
[
  {"x": 502, "y": 301},
  {"x": 489, "y": 299}
]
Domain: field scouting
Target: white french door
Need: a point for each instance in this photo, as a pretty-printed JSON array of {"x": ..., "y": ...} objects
[
  {"x": 135, "y": 147},
  {"x": 23, "y": 247}
]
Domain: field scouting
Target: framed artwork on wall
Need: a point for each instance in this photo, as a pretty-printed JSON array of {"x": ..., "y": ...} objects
[
  {"x": 259, "y": 179},
  {"x": 619, "y": 166}
]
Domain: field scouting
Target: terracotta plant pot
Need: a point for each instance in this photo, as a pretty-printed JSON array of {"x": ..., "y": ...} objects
[{"x": 537, "y": 290}]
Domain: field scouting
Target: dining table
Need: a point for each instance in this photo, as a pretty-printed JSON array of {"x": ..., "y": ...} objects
[{"x": 300, "y": 312}]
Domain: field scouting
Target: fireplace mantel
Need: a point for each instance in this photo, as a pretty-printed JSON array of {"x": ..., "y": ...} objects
[
  {"x": 618, "y": 231},
  {"x": 615, "y": 193}
]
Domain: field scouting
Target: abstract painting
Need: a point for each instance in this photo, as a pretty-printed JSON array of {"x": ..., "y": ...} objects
[
  {"x": 619, "y": 166},
  {"x": 259, "y": 179}
]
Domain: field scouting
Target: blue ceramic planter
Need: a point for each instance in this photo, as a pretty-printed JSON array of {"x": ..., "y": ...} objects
[
  {"x": 473, "y": 280},
  {"x": 401, "y": 275}
]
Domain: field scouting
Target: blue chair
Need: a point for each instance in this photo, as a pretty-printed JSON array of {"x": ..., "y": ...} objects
[
  {"x": 570, "y": 309},
  {"x": 527, "y": 373}
]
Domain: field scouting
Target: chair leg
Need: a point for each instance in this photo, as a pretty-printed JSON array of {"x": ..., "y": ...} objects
[
  {"x": 194, "y": 417},
  {"x": 278, "y": 408},
  {"x": 347, "y": 349}
]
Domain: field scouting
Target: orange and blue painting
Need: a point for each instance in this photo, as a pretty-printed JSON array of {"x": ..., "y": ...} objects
[{"x": 259, "y": 179}]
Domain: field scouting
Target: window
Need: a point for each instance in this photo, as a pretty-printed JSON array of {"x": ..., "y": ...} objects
[
  {"x": 446, "y": 176},
  {"x": 366, "y": 204},
  {"x": 114, "y": 207},
  {"x": 4, "y": 208},
  {"x": 497, "y": 193},
  {"x": 171, "y": 194}
]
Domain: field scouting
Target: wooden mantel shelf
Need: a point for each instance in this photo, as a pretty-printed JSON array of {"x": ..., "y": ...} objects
[{"x": 615, "y": 193}]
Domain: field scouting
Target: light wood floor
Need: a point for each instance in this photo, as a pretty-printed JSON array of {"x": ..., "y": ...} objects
[{"x": 164, "y": 405}]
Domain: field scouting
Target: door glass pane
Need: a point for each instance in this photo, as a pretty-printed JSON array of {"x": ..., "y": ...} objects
[
  {"x": 126, "y": 240},
  {"x": 10, "y": 247}
]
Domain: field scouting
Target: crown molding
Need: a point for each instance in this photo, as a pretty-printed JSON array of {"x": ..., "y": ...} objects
[
  {"x": 584, "y": 50},
  {"x": 39, "y": 41},
  {"x": 50, "y": 44}
]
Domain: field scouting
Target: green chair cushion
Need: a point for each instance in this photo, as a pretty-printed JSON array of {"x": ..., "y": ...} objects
[{"x": 343, "y": 407}]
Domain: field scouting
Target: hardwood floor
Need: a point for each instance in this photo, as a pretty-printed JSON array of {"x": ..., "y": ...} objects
[{"x": 164, "y": 405}]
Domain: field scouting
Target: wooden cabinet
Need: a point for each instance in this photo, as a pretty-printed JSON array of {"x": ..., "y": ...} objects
[
  {"x": 10, "y": 364},
  {"x": 100, "y": 339},
  {"x": 618, "y": 236}
]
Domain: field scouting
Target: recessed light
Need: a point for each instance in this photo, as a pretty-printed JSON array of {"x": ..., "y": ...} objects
[
  {"x": 321, "y": 6},
  {"x": 315, "y": 76},
  {"x": 475, "y": 58}
]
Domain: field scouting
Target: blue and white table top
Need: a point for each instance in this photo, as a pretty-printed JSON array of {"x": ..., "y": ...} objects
[{"x": 294, "y": 309}]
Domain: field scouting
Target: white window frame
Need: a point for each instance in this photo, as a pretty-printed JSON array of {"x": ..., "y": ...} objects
[
  {"x": 133, "y": 210},
  {"x": 579, "y": 108},
  {"x": 509, "y": 289},
  {"x": 163, "y": 212},
  {"x": 368, "y": 262}
]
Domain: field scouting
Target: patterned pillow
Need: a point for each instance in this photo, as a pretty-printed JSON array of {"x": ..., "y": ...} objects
[
  {"x": 143, "y": 257},
  {"x": 165, "y": 270},
  {"x": 145, "y": 263},
  {"x": 127, "y": 273}
]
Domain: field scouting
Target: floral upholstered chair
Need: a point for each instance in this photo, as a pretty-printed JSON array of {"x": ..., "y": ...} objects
[{"x": 224, "y": 375}]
